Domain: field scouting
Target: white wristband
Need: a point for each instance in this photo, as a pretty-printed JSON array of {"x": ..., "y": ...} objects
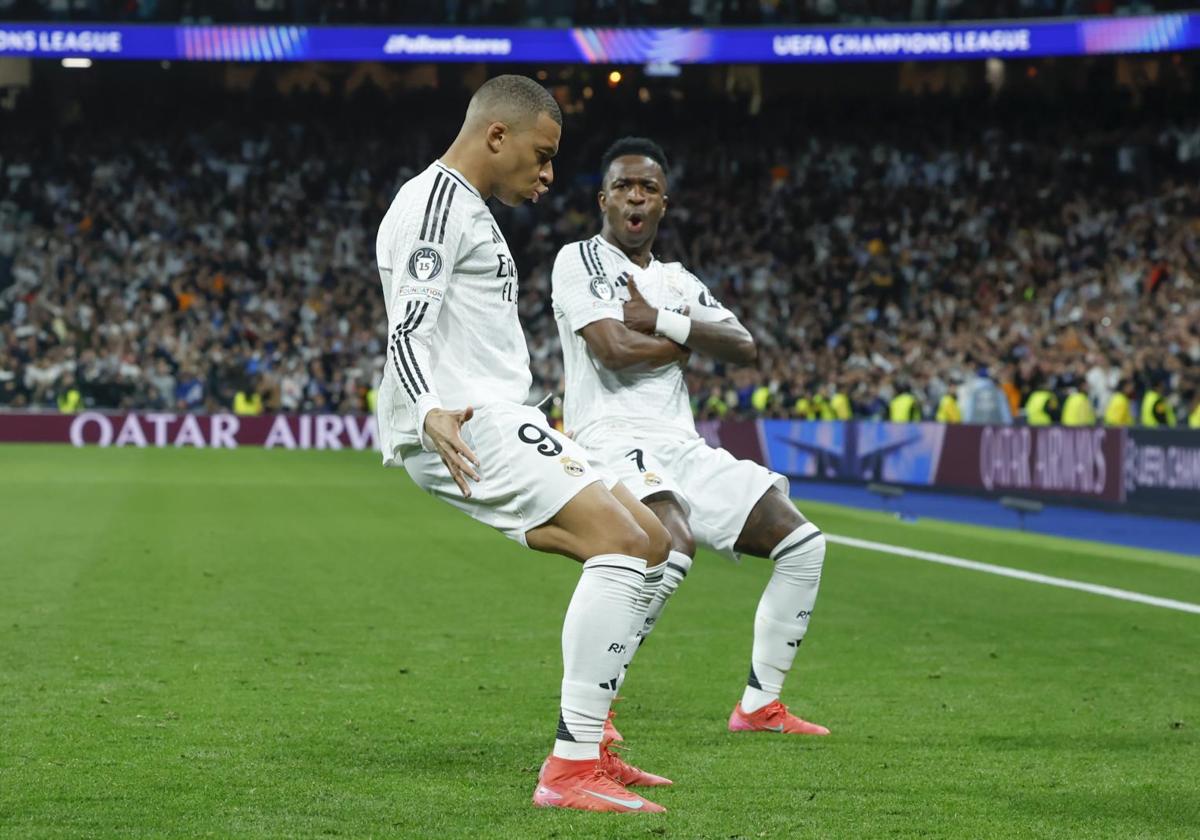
[{"x": 673, "y": 325}]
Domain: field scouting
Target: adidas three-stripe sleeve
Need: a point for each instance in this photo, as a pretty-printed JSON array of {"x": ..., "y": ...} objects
[
  {"x": 581, "y": 288},
  {"x": 419, "y": 257}
]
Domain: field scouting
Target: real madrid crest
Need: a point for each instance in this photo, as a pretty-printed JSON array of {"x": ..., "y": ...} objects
[
  {"x": 425, "y": 264},
  {"x": 571, "y": 466},
  {"x": 602, "y": 288},
  {"x": 652, "y": 479}
]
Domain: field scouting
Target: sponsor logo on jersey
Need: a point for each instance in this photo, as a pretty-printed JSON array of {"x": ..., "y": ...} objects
[
  {"x": 425, "y": 264},
  {"x": 571, "y": 466},
  {"x": 602, "y": 288},
  {"x": 653, "y": 479}
]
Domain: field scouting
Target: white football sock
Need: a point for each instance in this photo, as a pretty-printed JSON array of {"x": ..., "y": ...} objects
[
  {"x": 674, "y": 571},
  {"x": 650, "y": 590},
  {"x": 783, "y": 613},
  {"x": 595, "y": 640}
]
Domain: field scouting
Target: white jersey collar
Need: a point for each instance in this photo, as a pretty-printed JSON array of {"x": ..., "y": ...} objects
[
  {"x": 604, "y": 243},
  {"x": 458, "y": 176}
]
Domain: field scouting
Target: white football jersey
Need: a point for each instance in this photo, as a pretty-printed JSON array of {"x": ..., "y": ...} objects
[
  {"x": 589, "y": 283},
  {"x": 454, "y": 338}
]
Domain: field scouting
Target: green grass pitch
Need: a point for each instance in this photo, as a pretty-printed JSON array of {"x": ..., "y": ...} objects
[{"x": 268, "y": 644}]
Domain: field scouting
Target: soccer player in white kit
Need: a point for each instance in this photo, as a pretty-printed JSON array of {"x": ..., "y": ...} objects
[
  {"x": 452, "y": 412},
  {"x": 612, "y": 299}
]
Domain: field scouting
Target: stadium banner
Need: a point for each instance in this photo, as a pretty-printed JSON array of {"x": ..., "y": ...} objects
[
  {"x": 166, "y": 429},
  {"x": 1052, "y": 462},
  {"x": 860, "y": 451},
  {"x": 1162, "y": 471},
  {"x": 741, "y": 438},
  {"x": 1001, "y": 39},
  {"x": 1148, "y": 470}
]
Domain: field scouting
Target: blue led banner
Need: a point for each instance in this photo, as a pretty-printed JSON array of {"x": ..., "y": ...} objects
[{"x": 1092, "y": 36}]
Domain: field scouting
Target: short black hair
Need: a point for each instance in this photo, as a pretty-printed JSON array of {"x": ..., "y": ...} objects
[
  {"x": 640, "y": 146},
  {"x": 519, "y": 96}
]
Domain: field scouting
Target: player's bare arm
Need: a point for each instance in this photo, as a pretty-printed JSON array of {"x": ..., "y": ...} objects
[
  {"x": 619, "y": 348},
  {"x": 725, "y": 341}
]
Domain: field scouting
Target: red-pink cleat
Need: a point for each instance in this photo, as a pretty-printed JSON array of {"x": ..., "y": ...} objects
[
  {"x": 585, "y": 786},
  {"x": 610, "y": 731},
  {"x": 626, "y": 773},
  {"x": 773, "y": 717}
]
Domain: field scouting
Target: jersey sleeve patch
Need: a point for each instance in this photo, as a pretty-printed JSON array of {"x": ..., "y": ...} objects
[
  {"x": 425, "y": 264},
  {"x": 428, "y": 292},
  {"x": 602, "y": 288}
]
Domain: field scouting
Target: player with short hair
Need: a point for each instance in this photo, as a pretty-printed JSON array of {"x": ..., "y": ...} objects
[
  {"x": 613, "y": 302},
  {"x": 451, "y": 411}
]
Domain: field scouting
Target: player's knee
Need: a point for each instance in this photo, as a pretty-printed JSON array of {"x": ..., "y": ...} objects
[
  {"x": 803, "y": 557},
  {"x": 631, "y": 541},
  {"x": 683, "y": 541},
  {"x": 659, "y": 543},
  {"x": 673, "y": 518}
]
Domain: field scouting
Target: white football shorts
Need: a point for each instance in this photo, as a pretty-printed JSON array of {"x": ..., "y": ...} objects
[
  {"x": 528, "y": 470},
  {"x": 717, "y": 490}
]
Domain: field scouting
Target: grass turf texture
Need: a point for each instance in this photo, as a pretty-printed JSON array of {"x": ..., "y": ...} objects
[{"x": 267, "y": 643}]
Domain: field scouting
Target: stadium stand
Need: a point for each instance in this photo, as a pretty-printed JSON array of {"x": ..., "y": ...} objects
[
  {"x": 147, "y": 263},
  {"x": 568, "y": 12}
]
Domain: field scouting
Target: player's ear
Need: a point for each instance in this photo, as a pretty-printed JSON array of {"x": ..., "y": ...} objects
[
  {"x": 602, "y": 200},
  {"x": 496, "y": 134},
  {"x": 666, "y": 201}
]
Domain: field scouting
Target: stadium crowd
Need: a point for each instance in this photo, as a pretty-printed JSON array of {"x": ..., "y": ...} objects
[
  {"x": 567, "y": 12},
  {"x": 882, "y": 265}
]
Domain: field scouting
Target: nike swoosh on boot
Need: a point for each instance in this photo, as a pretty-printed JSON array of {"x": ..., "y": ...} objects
[{"x": 632, "y": 804}]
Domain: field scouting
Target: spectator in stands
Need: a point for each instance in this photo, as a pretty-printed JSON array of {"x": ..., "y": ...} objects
[
  {"x": 1119, "y": 410},
  {"x": 248, "y": 401},
  {"x": 1042, "y": 408},
  {"x": 1077, "y": 407},
  {"x": 1156, "y": 407},
  {"x": 983, "y": 401}
]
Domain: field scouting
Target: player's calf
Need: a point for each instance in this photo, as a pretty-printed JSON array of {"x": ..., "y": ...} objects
[
  {"x": 668, "y": 522},
  {"x": 784, "y": 610},
  {"x": 670, "y": 513},
  {"x": 596, "y": 528}
]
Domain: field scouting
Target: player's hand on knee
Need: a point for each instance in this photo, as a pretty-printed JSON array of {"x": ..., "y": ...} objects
[
  {"x": 443, "y": 427},
  {"x": 639, "y": 315}
]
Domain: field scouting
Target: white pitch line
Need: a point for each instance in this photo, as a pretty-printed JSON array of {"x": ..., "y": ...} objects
[{"x": 1019, "y": 574}]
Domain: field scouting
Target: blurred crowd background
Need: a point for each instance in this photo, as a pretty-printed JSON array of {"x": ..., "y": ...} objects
[
  {"x": 567, "y": 12},
  {"x": 933, "y": 242}
]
